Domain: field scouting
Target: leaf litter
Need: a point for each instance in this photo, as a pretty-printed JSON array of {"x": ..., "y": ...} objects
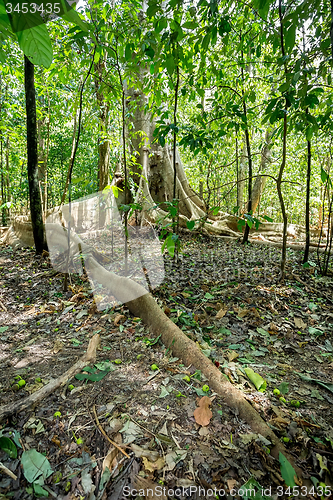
[{"x": 272, "y": 341}]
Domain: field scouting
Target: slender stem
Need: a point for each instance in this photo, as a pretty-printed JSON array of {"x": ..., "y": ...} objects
[
  {"x": 175, "y": 133},
  {"x": 70, "y": 171},
  {"x": 307, "y": 200}
]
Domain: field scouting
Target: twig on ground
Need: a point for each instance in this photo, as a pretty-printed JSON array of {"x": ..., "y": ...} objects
[{"x": 106, "y": 436}]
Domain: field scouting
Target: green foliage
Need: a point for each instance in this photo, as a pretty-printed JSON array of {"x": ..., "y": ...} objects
[{"x": 287, "y": 471}]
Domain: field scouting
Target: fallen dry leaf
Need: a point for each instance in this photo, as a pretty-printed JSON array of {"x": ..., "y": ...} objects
[
  {"x": 142, "y": 452},
  {"x": 232, "y": 355},
  {"x": 299, "y": 323},
  {"x": 110, "y": 461},
  {"x": 152, "y": 466},
  {"x": 203, "y": 414},
  {"x": 242, "y": 312},
  {"x": 57, "y": 346},
  {"x": 118, "y": 318},
  {"x": 222, "y": 312},
  {"x": 231, "y": 483}
]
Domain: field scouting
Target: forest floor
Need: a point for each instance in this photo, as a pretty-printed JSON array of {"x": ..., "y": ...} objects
[{"x": 223, "y": 296}]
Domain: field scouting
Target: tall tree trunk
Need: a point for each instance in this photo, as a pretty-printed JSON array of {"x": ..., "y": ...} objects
[
  {"x": 3, "y": 188},
  {"x": 103, "y": 141},
  {"x": 307, "y": 202},
  {"x": 260, "y": 181},
  {"x": 283, "y": 162},
  {"x": 32, "y": 156},
  {"x": 240, "y": 178},
  {"x": 71, "y": 160}
]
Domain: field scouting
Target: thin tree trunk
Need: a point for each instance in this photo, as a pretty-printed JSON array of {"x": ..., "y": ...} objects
[
  {"x": 175, "y": 133},
  {"x": 307, "y": 202},
  {"x": 71, "y": 160},
  {"x": 331, "y": 31},
  {"x": 283, "y": 163},
  {"x": 240, "y": 179},
  {"x": 32, "y": 156},
  {"x": 103, "y": 142}
]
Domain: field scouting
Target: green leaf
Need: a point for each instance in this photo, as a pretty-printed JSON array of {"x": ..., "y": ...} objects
[
  {"x": 35, "y": 42},
  {"x": 267, "y": 218},
  {"x": 170, "y": 65},
  {"x": 327, "y": 386},
  {"x": 324, "y": 175},
  {"x": 70, "y": 15},
  {"x": 284, "y": 388},
  {"x": 290, "y": 36},
  {"x": 39, "y": 491},
  {"x": 115, "y": 190},
  {"x": 3, "y": 328},
  {"x": 262, "y": 6},
  {"x": 287, "y": 471},
  {"x": 8, "y": 446},
  {"x": 35, "y": 466},
  {"x": 171, "y": 245},
  {"x": 205, "y": 41},
  {"x": 256, "y": 379},
  {"x": 209, "y": 296},
  {"x": 190, "y": 224},
  {"x": 94, "y": 377},
  {"x": 4, "y": 19},
  {"x": 240, "y": 224}
]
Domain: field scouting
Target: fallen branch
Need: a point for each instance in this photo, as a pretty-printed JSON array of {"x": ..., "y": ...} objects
[
  {"x": 106, "y": 436},
  {"x": 89, "y": 357},
  {"x": 7, "y": 471}
]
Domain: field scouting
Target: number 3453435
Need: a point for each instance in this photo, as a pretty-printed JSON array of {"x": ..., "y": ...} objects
[{"x": 32, "y": 8}]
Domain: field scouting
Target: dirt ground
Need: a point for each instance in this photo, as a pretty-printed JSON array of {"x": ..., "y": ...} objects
[{"x": 224, "y": 297}]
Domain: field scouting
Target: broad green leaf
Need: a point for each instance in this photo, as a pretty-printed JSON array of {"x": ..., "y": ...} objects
[
  {"x": 8, "y": 446},
  {"x": 205, "y": 41},
  {"x": 324, "y": 175},
  {"x": 3, "y": 328},
  {"x": 35, "y": 465},
  {"x": 5, "y": 26},
  {"x": 315, "y": 331},
  {"x": 327, "y": 386},
  {"x": 284, "y": 388},
  {"x": 164, "y": 392},
  {"x": 287, "y": 471},
  {"x": 170, "y": 65},
  {"x": 190, "y": 224},
  {"x": 35, "y": 43},
  {"x": 39, "y": 491},
  {"x": 171, "y": 245},
  {"x": 262, "y": 6},
  {"x": 290, "y": 36},
  {"x": 94, "y": 377},
  {"x": 116, "y": 190},
  {"x": 256, "y": 379},
  {"x": 253, "y": 491},
  {"x": 72, "y": 16}
]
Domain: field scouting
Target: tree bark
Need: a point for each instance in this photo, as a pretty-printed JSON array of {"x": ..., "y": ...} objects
[
  {"x": 307, "y": 203},
  {"x": 283, "y": 162},
  {"x": 260, "y": 181},
  {"x": 32, "y": 156},
  {"x": 103, "y": 142},
  {"x": 240, "y": 178}
]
